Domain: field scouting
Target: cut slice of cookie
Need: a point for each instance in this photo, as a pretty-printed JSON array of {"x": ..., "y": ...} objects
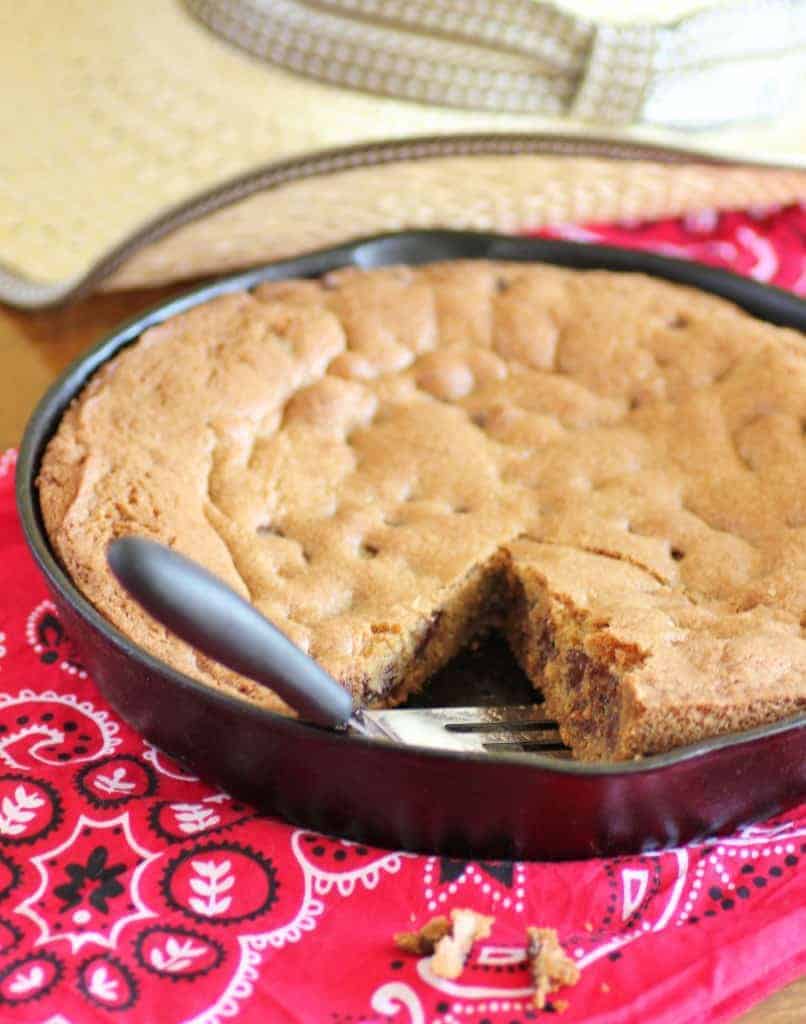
[{"x": 628, "y": 664}]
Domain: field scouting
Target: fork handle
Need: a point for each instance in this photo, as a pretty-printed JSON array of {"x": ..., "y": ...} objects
[{"x": 202, "y": 610}]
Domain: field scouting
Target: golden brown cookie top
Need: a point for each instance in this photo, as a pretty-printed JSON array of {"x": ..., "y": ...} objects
[{"x": 344, "y": 451}]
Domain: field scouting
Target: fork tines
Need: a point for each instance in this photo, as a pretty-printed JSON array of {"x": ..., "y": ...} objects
[{"x": 480, "y": 729}]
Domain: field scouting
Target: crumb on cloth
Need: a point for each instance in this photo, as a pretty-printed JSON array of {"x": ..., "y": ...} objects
[
  {"x": 451, "y": 951},
  {"x": 551, "y": 967},
  {"x": 447, "y": 942},
  {"x": 422, "y": 942}
]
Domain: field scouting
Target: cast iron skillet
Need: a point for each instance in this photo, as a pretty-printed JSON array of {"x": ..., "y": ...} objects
[{"x": 507, "y": 806}]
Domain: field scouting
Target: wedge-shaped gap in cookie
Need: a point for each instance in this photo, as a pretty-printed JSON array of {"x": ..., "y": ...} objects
[{"x": 483, "y": 674}]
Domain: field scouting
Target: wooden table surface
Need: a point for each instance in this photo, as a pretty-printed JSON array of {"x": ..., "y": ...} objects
[{"x": 34, "y": 348}]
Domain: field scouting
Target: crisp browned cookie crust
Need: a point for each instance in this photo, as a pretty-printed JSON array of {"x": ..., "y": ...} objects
[{"x": 610, "y": 468}]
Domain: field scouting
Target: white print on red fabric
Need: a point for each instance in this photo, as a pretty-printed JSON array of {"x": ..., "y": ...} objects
[
  {"x": 89, "y": 885},
  {"x": 165, "y": 765},
  {"x": 216, "y": 863},
  {"x": 200, "y": 883},
  {"x": 341, "y": 863},
  {"x": 53, "y": 729},
  {"x": 194, "y": 818},
  {"x": 445, "y": 879},
  {"x": 30, "y": 978},
  {"x": 703, "y": 887},
  {"x": 495, "y": 978},
  {"x": 762, "y": 250},
  {"x": 101, "y": 881},
  {"x": 114, "y": 781},
  {"x": 763, "y": 853},
  {"x": 30, "y": 809},
  {"x": 7, "y": 461},
  {"x": 175, "y": 821},
  {"x": 45, "y": 633},
  {"x": 701, "y": 221},
  {"x": 3, "y": 651},
  {"x": 704, "y": 251},
  {"x": 393, "y": 996},
  {"x": 389, "y": 998},
  {"x": 644, "y": 895},
  {"x": 328, "y": 865},
  {"x": 178, "y": 953},
  {"x": 107, "y": 982},
  {"x": 766, "y": 265}
]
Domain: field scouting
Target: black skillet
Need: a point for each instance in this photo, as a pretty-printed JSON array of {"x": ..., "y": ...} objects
[{"x": 507, "y": 806}]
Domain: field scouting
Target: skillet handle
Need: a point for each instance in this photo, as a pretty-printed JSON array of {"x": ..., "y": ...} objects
[{"x": 202, "y": 610}]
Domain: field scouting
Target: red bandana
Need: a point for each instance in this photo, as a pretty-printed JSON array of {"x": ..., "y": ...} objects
[{"x": 128, "y": 885}]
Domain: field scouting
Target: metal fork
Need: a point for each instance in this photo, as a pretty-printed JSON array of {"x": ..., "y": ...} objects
[
  {"x": 202, "y": 610},
  {"x": 493, "y": 730}
]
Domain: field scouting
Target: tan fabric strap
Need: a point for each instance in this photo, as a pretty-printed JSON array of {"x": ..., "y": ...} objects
[{"x": 737, "y": 62}]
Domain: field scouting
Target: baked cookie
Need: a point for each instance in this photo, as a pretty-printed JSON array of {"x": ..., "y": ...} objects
[{"x": 609, "y": 468}]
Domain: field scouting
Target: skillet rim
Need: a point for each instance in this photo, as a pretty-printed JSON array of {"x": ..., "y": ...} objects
[{"x": 415, "y": 247}]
